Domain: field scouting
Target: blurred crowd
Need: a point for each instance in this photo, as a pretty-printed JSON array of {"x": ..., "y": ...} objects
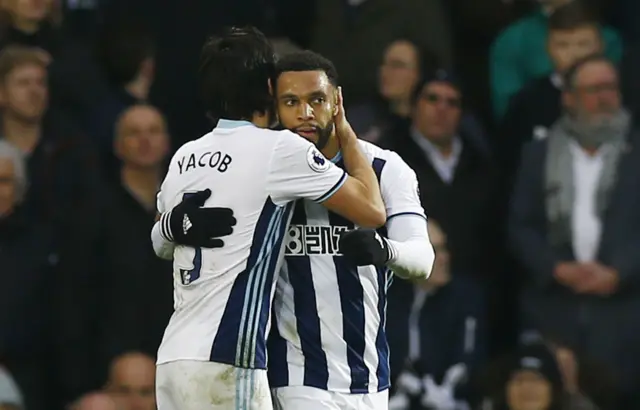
[{"x": 518, "y": 117}]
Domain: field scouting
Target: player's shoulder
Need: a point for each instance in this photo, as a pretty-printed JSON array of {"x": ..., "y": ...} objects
[{"x": 393, "y": 163}]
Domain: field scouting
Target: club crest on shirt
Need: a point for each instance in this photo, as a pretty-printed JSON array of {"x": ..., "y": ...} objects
[{"x": 316, "y": 160}]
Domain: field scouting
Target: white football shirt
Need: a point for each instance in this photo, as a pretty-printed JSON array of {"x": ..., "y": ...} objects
[
  {"x": 222, "y": 297},
  {"x": 330, "y": 314}
]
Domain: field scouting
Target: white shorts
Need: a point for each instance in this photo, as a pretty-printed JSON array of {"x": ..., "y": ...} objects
[
  {"x": 310, "y": 398},
  {"x": 195, "y": 385}
]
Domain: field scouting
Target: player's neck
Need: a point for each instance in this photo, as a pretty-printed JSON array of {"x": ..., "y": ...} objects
[
  {"x": 261, "y": 120},
  {"x": 23, "y": 134},
  {"x": 142, "y": 183},
  {"x": 332, "y": 148}
]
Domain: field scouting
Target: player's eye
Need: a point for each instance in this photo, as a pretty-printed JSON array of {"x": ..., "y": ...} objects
[
  {"x": 290, "y": 103},
  {"x": 319, "y": 100}
]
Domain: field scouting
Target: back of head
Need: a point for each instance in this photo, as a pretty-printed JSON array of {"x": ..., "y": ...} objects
[
  {"x": 235, "y": 70},
  {"x": 572, "y": 16}
]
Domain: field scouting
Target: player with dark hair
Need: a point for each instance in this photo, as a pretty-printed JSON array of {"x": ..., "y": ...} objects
[
  {"x": 213, "y": 354},
  {"x": 328, "y": 349}
]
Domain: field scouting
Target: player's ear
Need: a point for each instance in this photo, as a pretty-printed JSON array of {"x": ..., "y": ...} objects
[{"x": 270, "y": 84}]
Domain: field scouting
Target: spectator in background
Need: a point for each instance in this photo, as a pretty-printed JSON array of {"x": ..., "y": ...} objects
[
  {"x": 126, "y": 54},
  {"x": 26, "y": 249},
  {"x": 520, "y": 55},
  {"x": 114, "y": 294},
  {"x": 575, "y": 223},
  {"x": 95, "y": 401},
  {"x": 437, "y": 336},
  {"x": 10, "y": 396},
  {"x": 528, "y": 379},
  {"x": 402, "y": 67},
  {"x": 457, "y": 179},
  {"x": 573, "y": 34},
  {"x": 30, "y": 23},
  {"x": 131, "y": 381},
  {"x": 354, "y": 33},
  {"x": 62, "y": 171}
]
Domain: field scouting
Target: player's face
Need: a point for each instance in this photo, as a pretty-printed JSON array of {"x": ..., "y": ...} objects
[
  {"x": 568, "y": 46},
  {"x": 142, "y": 137},
  {"x": 7, "y": 186},
  {"x": 437, "y": 112},
  {"x": 306, "y": 103},
  {"x": 24, "y": 93},
  {"x": 399, "y": 71}
]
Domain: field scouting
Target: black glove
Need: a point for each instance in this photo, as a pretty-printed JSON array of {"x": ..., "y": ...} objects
[
  {"x": 191, "y": 225},
  {"x": 365, "y": 247}
]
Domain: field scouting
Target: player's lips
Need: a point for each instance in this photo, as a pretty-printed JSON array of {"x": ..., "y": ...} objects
[{"x": 307, "y": 132}]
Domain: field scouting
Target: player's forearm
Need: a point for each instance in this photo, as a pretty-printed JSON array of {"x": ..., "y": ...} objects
[
  {"x": 161, "y": 246},
  {"x": 411, "y": 259},
  {"x": 358, "y": 166},
  {"x": 412, "y": 254}
]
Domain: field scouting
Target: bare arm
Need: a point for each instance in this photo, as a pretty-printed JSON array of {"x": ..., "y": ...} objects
[{"x": 359, "y": 199}]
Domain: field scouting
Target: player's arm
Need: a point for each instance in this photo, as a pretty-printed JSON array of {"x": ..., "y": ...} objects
[
  {"x": 407, "y": 249},
  {"x": 298, "y": 170},
  {"x": 162, "y": 246},
  {"x": 360, "y": 195}
]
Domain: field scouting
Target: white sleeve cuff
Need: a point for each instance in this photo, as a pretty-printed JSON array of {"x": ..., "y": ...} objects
[{"x": 161, "y": 246}]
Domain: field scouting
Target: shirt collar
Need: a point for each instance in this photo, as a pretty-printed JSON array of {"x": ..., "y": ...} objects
[
  {"x": 230, "y": 124},
  {"x": 431, "y": 149},
  {"x": 556, "y": 80}
]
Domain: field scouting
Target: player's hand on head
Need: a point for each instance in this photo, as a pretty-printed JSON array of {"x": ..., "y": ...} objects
[
  {"x": 192, "y": 225},
  {"x": 344, "y": 132},
  {"x": 365, "y": 247}
]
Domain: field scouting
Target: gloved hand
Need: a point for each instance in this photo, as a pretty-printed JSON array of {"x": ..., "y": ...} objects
[
  {"x": 191, "y": 225},
  {"x": 365, "y": 247}
]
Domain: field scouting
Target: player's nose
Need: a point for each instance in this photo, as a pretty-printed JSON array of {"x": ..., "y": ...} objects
[{"x": 306, "y": 112}]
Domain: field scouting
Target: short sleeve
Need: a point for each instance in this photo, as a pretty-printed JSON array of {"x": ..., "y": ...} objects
[
  {"x": 298, "y": 170},
  {"x": 399, "y": 189}
]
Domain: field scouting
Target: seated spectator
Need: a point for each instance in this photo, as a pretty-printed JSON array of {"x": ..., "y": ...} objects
[
  {"x": 126, "y": 55},
  {"x": 31, "y": 24},
  {"x": 519, "y": 54},
  {"x": 436, "y": 337},
  {"x": 573, "y": 34},
  {"x": 400, "y": 71},
  {"x": 10, "y": 396},
  {"x": 114, "y": 294},
  {"x": 575, "y": 224},
  {"x": 26, "y": 257},
  {"x": 528, "y": 379},
  {"x": 95, "y": 401},
  {"x": 353, "y": 36},
  {"x": 131, "y": 381},
  {"x": 458, "y": 182},
  {"x": 62, "y": 171}
]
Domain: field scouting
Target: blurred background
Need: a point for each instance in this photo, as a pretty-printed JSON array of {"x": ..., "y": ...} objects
[{"x": 517, "y": 116}]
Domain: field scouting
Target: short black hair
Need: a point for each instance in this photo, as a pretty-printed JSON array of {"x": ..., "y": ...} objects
[
  {"x": 571, "y": 16},
  {"x": 122, "y": 47},
  {"x": 307, "y": 60},
  {"x": 569, "y": 78},
  {"x": 235, "y": 69}
]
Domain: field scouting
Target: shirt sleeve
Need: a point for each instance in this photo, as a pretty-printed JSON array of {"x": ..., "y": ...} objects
[
  {"x": 399, "y": 189},
  {"x": 298, "y": 170}
]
